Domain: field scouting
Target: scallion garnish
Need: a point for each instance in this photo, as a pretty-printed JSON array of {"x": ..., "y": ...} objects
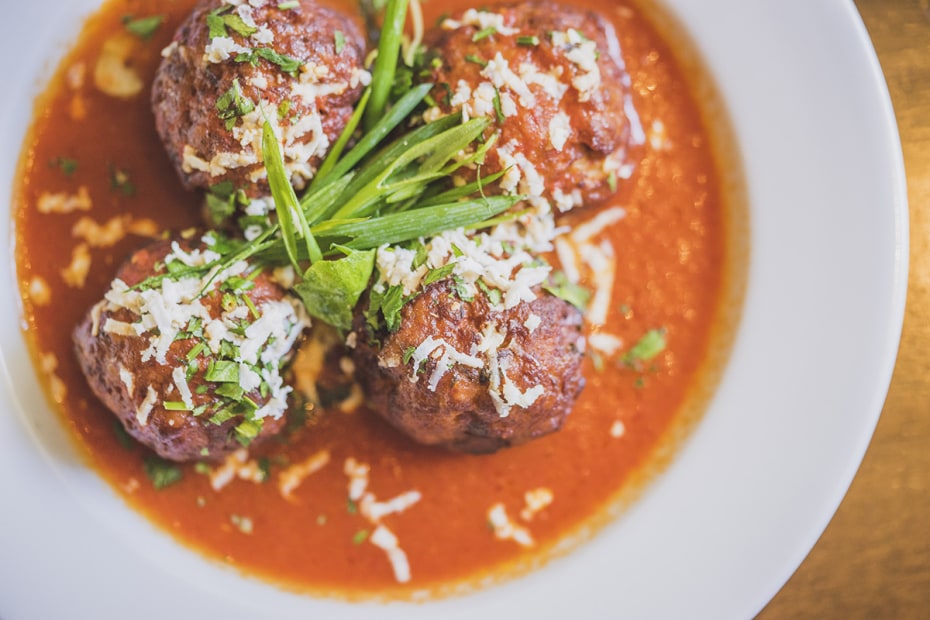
[{"x": 484, "y": 34}]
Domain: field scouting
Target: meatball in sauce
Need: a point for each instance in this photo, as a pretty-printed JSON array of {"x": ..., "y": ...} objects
[
  {"x": 552, "y": 78},
  {"x": 191, "y": 375},
  {"x": 234, "y": 64},
  {"x": 471, "y": 377}
]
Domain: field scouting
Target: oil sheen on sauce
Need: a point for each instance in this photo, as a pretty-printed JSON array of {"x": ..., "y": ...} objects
[{"x": 671, "y": 257}]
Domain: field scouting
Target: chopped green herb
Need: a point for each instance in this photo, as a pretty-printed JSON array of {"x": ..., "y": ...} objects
[
  {"x": 233, "y": 105},
  {"x": 67, "y": 165},
  {"x": 202, "y": 468},
  {"x": 119, "y": 182},
  {"x": 122, "y": 436},
  {"x": 461, "y": 289},
  {"x": 529, "y": 41},
  {"x": 560, "y": 286},
  {"x": 649, "y": 346},
  {"x": 351, "y": 506},
  {"x": 612, "y": 181},
  {"x": 222, "y": 416},
  {"x": 435, "y": 275},
  {"x": 196, "y": 350},
  {"x": 475, "y": 59},
  {"x": 498, "y": 109},
  {"x": 143, "y": 27},
  {"x": 237, "y": 25},
  {"x": 284, "y": 108},
  {"x": 408, "y": 354},
  {"x": 391, "y": 305},
  {"x": 247, "y": 431},
  {"x": 340, "y": 41},
  {"x": 285, "y": 63},
  {"x": 216, "y": 26},
  {"x": 222, "y": 371},
  {"x": 287, "y": 6},
  {"x": 232, "y": 391},
  {"x": 360, "y": 537},
  {"x": 483, "y": 34},
  {"x": 162, "y": 473},
  {"x": 173, "y": 405},
  {"x": 331, "y": 288},
  {"x": 494, "y": 295}
]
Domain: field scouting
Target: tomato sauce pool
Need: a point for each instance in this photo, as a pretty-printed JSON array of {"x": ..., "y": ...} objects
[{"x": 674, "y": 263}]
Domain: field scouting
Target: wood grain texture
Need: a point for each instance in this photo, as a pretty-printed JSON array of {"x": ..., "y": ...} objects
[{"x": 873, "y": 561}]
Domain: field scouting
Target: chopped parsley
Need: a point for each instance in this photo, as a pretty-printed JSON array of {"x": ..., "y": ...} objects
[
  {"x": 648, "y": 347},
  {"x": 233, "y": 104},
  {"x": 143, "y": 27},
  {"x": 120, "y": 182},
  {"x": 434, "y": 275},
  {"x": 360, "y": 537},
  {"x": 222, "y": 201},
  {"x": 339, "y": 41},
  {"x": 67, "y": 165},
  {"x": 122, "y": 436},
  {"x": 285, "y": 63},
  {"x": 162, "y": 473},
  {"x": 494, "y": 295},
  {"x": 219, "y": 20},
  {"x": 560, "y": 286},
  {"x": 287, "y": 6},
  {"x": 530, "y": 41},
  {"x": 222, "y": 371}
]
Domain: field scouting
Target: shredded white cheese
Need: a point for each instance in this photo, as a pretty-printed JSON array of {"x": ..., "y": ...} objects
[
  {"x": 505, "y": 529},
  {"x": 292, "y": 477}
]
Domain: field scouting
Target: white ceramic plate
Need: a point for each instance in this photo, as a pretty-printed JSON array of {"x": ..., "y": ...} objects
[{"x": 748, "y": 494}]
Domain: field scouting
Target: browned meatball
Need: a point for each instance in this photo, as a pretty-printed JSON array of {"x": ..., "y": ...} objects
[
  {"x": 468, "y": 376},
  {"x": 552, "y": 78},
  {"x": 231, "y": 67},
  {"x": 191, "y": 377}
]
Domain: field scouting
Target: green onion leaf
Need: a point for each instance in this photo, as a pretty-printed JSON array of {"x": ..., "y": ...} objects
[
  {"x": 286, "y": 203},
  {"x": 484, "y": 34},
  {"x": 382, "y": 75}
]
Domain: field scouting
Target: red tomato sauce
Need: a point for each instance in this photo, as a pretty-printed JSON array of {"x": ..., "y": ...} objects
[{"x": 674, "y": 255}]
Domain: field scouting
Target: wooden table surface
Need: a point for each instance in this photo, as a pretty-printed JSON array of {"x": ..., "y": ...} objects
[{"x": 873, "y": 561}]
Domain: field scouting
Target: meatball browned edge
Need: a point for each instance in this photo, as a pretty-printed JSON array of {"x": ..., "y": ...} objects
[{"x": 460, "y": 414}]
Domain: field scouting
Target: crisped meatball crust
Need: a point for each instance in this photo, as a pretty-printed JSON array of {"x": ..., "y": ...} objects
[
  {"x": 204, "y": 391},
  {"x": 232, "y": 65},
  {"x": 472, "y": 377},
  {"x": 552, "y": 78}
]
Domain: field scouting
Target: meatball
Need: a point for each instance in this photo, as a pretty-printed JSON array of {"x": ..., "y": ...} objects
[
  {"x": 190, "y": 376},
  {"x": 469, "y": 376},
  {"x": 234, "y": 64},
  {"x": 552, "y": 79}
]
